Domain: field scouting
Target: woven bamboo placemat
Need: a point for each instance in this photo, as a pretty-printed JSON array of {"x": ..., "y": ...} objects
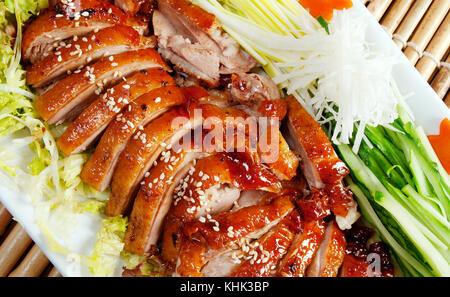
[{"x": 421, "y": 28}]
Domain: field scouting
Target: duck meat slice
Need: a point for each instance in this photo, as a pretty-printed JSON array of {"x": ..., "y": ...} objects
[
  {"x": 320, "y": 164},
  {"x": 98, "y": 171},
  {"x": 187, "y": 57},
  {"x": 192, "y": 39},
  {"x": 302, "y": 250},
  {"x": 75, "y": 55},
  {"x": 275, "y": 152},
  {"x": 270, "y": 249},
  {"x": 215, "y": 234},
  {"x": 330, "y": 255},
  {"x": 258, "y": 94},
  {"x": 154, "y": 200},
  {"x": 211, "y": 187},
  {"x": 96, "y": 117},
  {"x": 139, "y": 155},
  {"x": 264, "y": 137},
  {"x": 64, "y": 21},
  {"x": 67, "y": 98}
]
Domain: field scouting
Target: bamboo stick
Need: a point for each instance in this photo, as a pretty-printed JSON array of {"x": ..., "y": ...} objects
[
  {"x": 430, "y": 23},
  {"x": 54, "y": 273},
  {"x": 395, "y": 14},
  {"x": 32, "y": 265},
  {"x": 378, "y": 7},
  {"x": 437, "y": 49},
  {"x": 441, "y": 82},
  {"x": 13, "y": 248},
  {"x": 447, "y": 99},
  {"x": 5, "y": 218},
  {"x": 411, "y": 20}
]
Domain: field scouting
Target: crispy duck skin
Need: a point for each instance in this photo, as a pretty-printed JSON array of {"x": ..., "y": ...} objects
[
  {"x": 321, "y": 166},
  {"x": 207, "y": 191},
  {"x": 330, "y": 255},
  {"x": 67, "y": 98},
  {"x": 96, "y": 117},
  {"x": 139, "y": 155},
  {"x": 274, "y": 246},
  {"x": 302, "y": 250},
  {"x": 61, "y": 22},
  {"x": 75, "y": 54},
  {"x": 154, "y": 200},
  {"x": 190, "y": 198},
  {"x": 277, "y": 156},
  {"x": 243, "y": 222},
  {"x": 98, "y": 171}
]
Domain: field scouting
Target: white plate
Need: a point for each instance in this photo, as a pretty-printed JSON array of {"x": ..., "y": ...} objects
[{"x": 427, "y": 107}]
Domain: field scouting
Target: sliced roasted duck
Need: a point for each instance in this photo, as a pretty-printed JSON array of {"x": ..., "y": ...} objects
[
  {"x": 203, "y": 241},
  {"x": 301, "y": 252},
  {"x": 74, "y": 55},
  {"x": 264, "y": 136},
  {"x": 212, "y": 187},
  {"x": 330, "y": 255},
  {"x": 98, "y": 171},
  {"x": 96, "y": 117},
  {"x": 191, "y": 39},
  {"x": 321, "y": 166},
  {"x": 139, "y": 155},
  {"x": 154, "y": 199},
  {"x": 67, "y": 98},
  {"x": 64, "y": 21}
]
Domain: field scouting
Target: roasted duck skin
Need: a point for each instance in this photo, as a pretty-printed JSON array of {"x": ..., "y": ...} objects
[
  {"x": 73, "y": 55},
  {"x": 67, "y": 98},
  {"x": 98, "y": 171},
  {"x": 320, "y": 164},
  {"x": 96, "y": 117},
  {"x": 138, "y": 157},
  {"x": 63, "y": 21}
]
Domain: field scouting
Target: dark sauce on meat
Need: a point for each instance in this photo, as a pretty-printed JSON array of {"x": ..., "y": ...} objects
[
  {"x": 357, "y": 239},
  {"x": 245, "y": 173}
]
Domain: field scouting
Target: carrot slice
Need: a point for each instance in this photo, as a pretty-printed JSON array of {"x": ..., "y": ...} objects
[
  {"x": 441, "y": 144},
  {"x": 325, "y": 8}
]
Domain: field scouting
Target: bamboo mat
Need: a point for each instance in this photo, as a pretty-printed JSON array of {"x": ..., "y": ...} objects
[{"x": 421, "y": 28}]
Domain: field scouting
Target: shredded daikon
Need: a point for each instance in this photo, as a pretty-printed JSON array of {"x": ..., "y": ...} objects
[{"x": 338, "y": 77}]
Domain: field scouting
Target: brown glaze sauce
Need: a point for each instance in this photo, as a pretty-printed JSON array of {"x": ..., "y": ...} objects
[{"x": 245, "y": 173}]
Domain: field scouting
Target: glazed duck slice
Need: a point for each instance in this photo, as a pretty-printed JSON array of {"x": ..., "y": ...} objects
[
  {"x": 96, "y": 117},
  {"x": 139, "y": 155},
  {"x": 204, "y": 240},
  {"x": 154, "y": 200},
  {"x": 98, "y": 171},
  {"x": 65, "y": 21},
  {"x": 67, "y": 98},
  {"x": 190, "y": 38},
  {"x": 257, "y": 258},
  {"x": 258, "y": 94},
  {"x": 330, "y": 255},
  {"x": 302, "y": 250},
  {"x": 76, "y": 54},
  {"x": 270, "y": 249},
  {"x": 212, "y": 187},
  {"x": 263, "y": 137},
  {"x": 321, "y": 166}
]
